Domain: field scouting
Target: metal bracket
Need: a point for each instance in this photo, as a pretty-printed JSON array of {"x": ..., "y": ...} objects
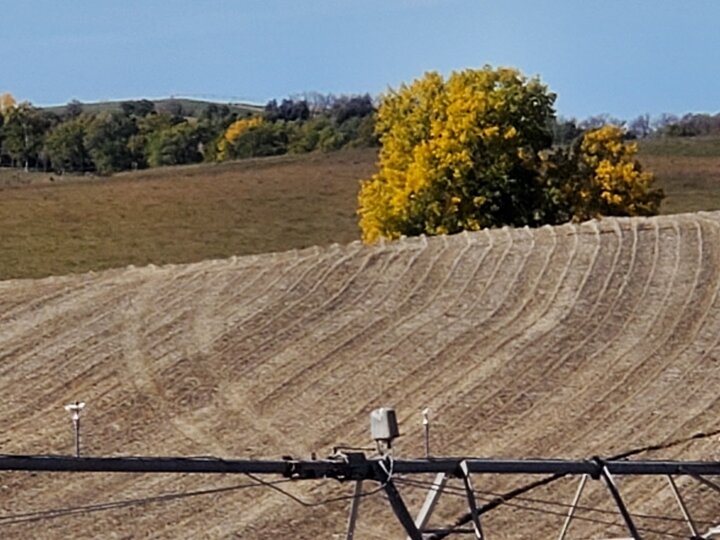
[{"x": 431, "y": 500}]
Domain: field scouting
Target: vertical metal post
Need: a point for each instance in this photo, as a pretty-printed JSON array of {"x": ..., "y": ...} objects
[
  {"x": 76, "y": 423},
  {"x": 354, "y": 507},
  {"x": 477, "y": 529},
  {"x": 74, "y": 409},
  {"x": 431, "y": 500},
  {"x": 426, "y": 429},
  {"x": 683, "y": 507},
  {"x": 612, "y": 487},
  {"x": 573, "y": 507}
]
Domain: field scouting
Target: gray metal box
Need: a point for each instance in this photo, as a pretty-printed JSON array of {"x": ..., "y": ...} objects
[{"x": 383, "y": 424}]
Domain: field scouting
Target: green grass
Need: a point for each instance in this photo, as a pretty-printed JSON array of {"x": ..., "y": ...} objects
[
  {"x": 681, "y": 146},
  {"x": 55, "y": 225},
  {"x": 687, "y": 169},
  {"x": 178, "y": 214}
]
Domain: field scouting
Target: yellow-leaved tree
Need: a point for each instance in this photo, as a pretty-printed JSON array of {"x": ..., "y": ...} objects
[
  {"x": 611, "y": 181},
  {"x": 233, "y": 133},
  {"x": 7, "y": 103},
  {"x": 475, "y": 151}
]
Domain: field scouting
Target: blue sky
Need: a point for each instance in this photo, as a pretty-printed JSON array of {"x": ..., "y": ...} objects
[{"x": 621, "y": 57}]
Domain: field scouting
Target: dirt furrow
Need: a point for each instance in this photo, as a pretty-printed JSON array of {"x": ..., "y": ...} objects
[{"x": 562, "y": 341}]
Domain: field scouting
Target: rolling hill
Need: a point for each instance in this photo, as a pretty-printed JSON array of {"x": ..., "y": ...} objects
[
  {"x": 567, "y": 341},
  {"x": 188, "y": 106},
  {"x": 57, "y": 225}
]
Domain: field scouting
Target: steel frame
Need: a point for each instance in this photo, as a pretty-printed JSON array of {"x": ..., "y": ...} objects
[{"x": 357, "y": 467}]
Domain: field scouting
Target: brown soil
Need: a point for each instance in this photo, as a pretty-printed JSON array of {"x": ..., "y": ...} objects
[{"x": 571, "y": 341}]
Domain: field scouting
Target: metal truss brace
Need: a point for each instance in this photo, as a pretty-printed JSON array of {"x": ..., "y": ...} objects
[
  {"x": 573, "y": 507},
  {"x": 684, "y": 509},
  {"x": 431, "y": 500},
  {"x": 612, "y": 487},
  {"x": 401, "y": 511},
  {"x": 475, "y": 516},
  {"x": 706, "y": 482}
]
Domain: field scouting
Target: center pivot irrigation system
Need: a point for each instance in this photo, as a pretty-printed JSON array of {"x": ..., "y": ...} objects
[{"x": 386, "y": 471}]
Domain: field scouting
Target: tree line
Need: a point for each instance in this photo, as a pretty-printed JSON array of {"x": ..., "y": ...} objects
[
  {"x": 641, "y": 127},
  {"x": 139, "y": 134}
]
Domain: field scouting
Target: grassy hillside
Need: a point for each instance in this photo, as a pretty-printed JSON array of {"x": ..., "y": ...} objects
[
  {"x": 53, "y": 225},
  {"x": 57, "y": 225},
  {"x": 688, "y": 170},
  {"x": 704, "y": 147}
]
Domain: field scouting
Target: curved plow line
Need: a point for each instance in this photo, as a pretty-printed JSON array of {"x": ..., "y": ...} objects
[
  {"x": 282, "y": 358},
  {"x": 518, "y": 311},
  {"x": 578, "y": 434},
  {"x": 578, "y": 347},
  {"x": 241, "y": 312},
  {"x": 475, "y": 344},
  {"x": 648, "y": 381},
  {"x": 259, "y": 322},
  {"x": 319, "y": 314},
  {"x": 491, "y": 362},
  {"x": 701, "y": 359},
  {"x": 440, "y": 314},
  {"x": 436, "y": 291},
  {"x": 497, "y": 267},
  {"x": 324, "y": 357}
]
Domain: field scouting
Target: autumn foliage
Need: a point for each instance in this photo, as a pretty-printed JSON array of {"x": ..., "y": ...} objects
[
  {"x": 612, "y": 182},
  {"x": 7, "y": 103},
  {"x": 233, "y": 133},
  {"x": 475, "y": 151}
]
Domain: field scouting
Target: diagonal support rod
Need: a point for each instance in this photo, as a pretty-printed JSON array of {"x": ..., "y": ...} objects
[
  {"x": 683, "y": 508},
  {"x": 401, "y": 511},
  {"x": 612, "y": 487},
  {"x": 431, "y": 500},
  {"x": 706, "y": 482},
  {"x": 573, "y": 507},
  {"x": 474, "y": 515}
]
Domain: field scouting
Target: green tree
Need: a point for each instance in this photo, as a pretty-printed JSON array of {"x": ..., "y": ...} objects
[
  {"x": 176, "y": 145},
  {"x": 106, "y": 139},
  {"x": 73, "y": 109},
  {"x": 66, "y": 146},
  {"x": 147, "y": 127},
  {"x": 24, "y": 134},
  {"x": 139, "y": 108}
]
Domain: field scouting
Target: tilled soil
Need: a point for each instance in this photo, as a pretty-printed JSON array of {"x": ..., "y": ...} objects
[{"x": 569, "y": 341}]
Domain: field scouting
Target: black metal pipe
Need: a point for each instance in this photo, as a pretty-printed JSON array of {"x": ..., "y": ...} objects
[{"x": 355, "y": 468}]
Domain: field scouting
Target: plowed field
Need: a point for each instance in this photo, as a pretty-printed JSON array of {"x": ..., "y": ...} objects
[{"x": 570, "y": 341}]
